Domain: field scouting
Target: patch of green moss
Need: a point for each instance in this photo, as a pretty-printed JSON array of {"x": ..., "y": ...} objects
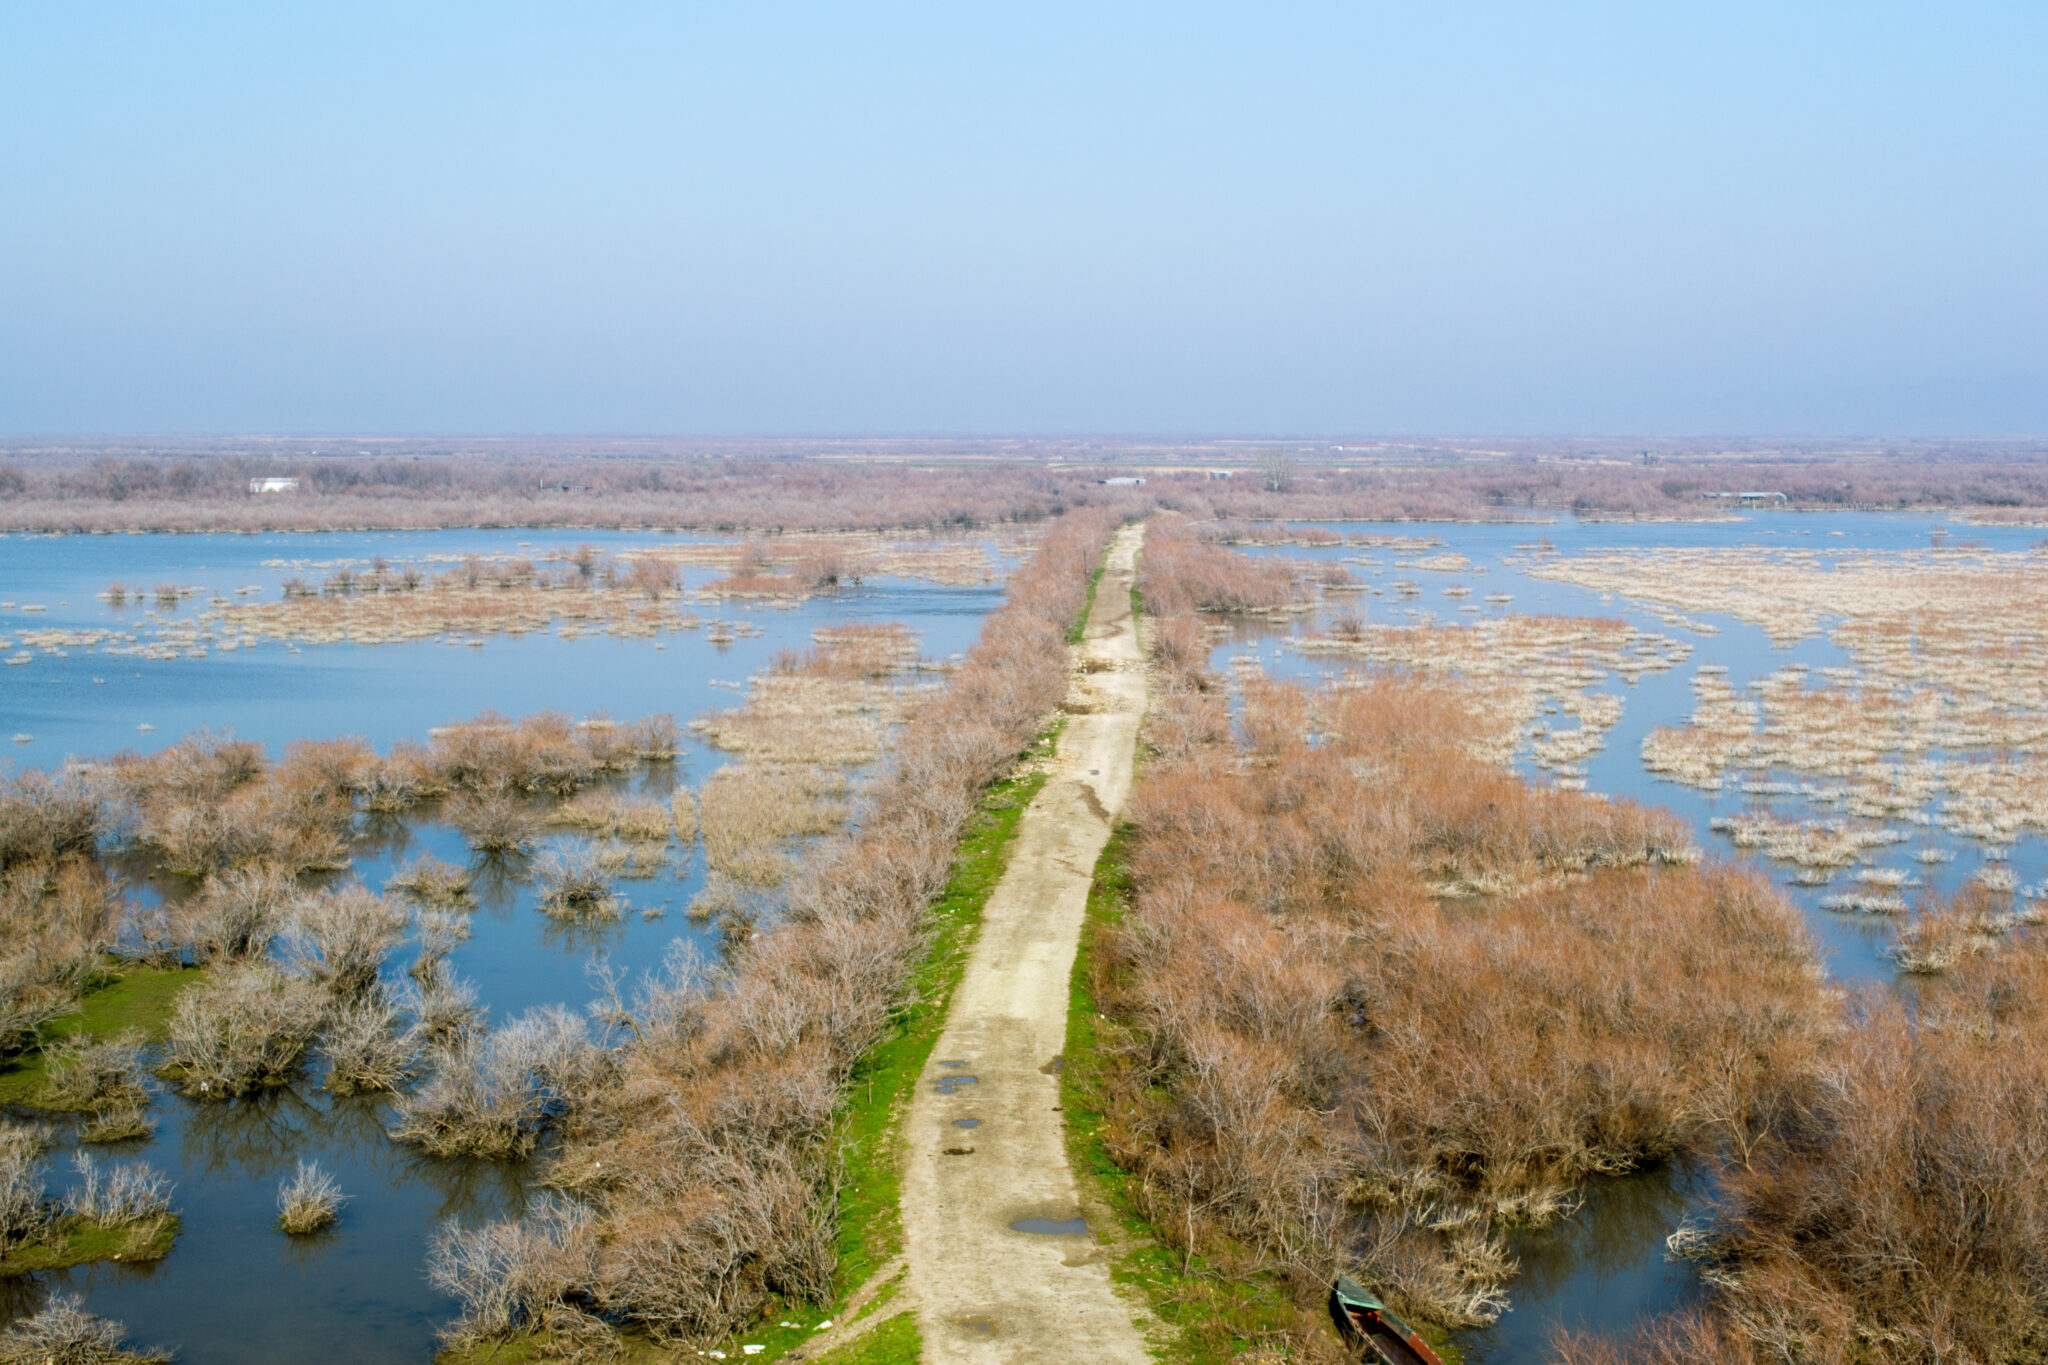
[
  {"x": 125, "y": 997},
  {"x": 75, "y": 1241},
  {"x": 895, "y": 1342}
]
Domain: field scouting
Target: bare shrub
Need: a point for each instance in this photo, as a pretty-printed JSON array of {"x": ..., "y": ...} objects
[
  {"x": 340, "y": 938},
  {"x": 24, "y": 1202},
  {"x": 117, "y": 1123},
  {"x": 365, "y": 1048},
  {"x": 56, "y": 922},
  {"x": 494, "y": 822},
  {"x": 494, "y": 1095},
  {"x": 308, "y": 1201},
  {"x": 63, "y": 1333},
  {"x": 444, "y": 1006},
  {"x": 83, "y": 1072},
  {"x": 653, "y": 739},
  {"x": 121, "y": 1194},
  {"x": 238, "y": 914},
  {"x": 246, "y": 1029},
  {"x": 1901, "y": 1213},
  {"x": 508, "y": 1275},
  {"x": 45, "y": 818},
  {"x": 431, "y": 881}
]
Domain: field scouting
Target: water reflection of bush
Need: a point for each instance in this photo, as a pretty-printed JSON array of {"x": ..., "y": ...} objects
[
  {"x": 1622, "y": 1225},
  {"x": 260, "y": 1139}
]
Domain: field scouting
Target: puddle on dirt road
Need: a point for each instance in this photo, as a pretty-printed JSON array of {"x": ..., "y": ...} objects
[{"x": 1052, "y": 1227}]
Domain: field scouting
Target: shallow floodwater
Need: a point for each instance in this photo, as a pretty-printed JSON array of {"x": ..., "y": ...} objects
[
  {"x": 1606, "y": 1269},
  {"x": 234, "y": 1289}
]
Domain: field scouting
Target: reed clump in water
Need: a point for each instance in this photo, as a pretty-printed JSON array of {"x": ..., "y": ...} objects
[
  {"x": 431, "y": 881},
  {"x": 309, "y": 1201},
  {"x": 1944, "y": 932},
  {"x": 701, "y": 1178},
  {"x": 749, "y": 814},
  {"x": 612, "y": 815},
  {"x": 575, "y": 880},
  {"x": 1378, "y": 1001}
]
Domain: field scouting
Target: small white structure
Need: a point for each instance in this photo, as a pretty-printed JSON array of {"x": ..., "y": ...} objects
[
  {"x": 1219, "y": 473},
  {"x": 273, "y": 485},
  {"x": 1124, "y": 481}
]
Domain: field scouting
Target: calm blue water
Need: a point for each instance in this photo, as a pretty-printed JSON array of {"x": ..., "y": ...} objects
[{"x": 234, "y": 1289}]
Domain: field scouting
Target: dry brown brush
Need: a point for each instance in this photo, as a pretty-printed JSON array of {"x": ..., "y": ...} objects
[
  {"x": 702, "y": 1175},
  {"x": 1900, "y": 1213},
  {"x": 1377, "y": 1001}
]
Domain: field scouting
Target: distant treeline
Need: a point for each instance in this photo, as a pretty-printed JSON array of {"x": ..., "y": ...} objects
[{"x": 786, "y": 487}]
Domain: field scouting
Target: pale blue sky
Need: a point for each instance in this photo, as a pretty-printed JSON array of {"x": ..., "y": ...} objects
[{"x": 1701, "y": 219}]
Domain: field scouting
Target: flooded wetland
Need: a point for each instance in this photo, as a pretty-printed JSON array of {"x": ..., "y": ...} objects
[
  {"x": 1852, "y": 703},
  {"x": 506, "y": 781},
  {"x": 479, "y": 763}
]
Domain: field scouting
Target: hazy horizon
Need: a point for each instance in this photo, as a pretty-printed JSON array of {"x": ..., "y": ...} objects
[{"x": 1306, "y": 220}]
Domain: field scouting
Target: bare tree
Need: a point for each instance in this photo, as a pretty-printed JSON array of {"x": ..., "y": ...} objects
[{"x": 1276, "y": 470}]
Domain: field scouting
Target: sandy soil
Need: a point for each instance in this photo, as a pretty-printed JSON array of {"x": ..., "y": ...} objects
[{"x": 983, "y": 1291}]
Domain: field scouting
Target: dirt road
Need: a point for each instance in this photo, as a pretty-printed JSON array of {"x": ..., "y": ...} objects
[{"x": 986, "y": 1147}]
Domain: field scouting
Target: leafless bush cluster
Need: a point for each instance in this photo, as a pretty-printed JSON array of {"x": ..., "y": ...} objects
[
  {"x": 494, "y": 1095},
  {"x": 702, "y": 1169},
  {"x": 46, "y": 819},
  {"x": 209, "y": 803},
  {"x": 369, "y": 1046},
  {"x": 83, "y": 1072},
  {"x": 1900, "y": 1211},
  {"x": 1185, "y": 572},
  {"x": 1377, "y": 1000},
  {"x": 63, "y": 1333},
  {"x": 245, "y": 1029},
  {"x": 57, "y": 918},
  {"x": 123, "y": 1193},
  {"x": 24, "y": 1204}
]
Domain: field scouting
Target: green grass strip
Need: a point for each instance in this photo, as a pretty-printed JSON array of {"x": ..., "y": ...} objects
[
  {"x": 1214, "y": 1317},
  {"x": 1080, "y": 626},
  {"x": 124, "y": 997},
  {"x": 895, "y": 1342},
  {"x": 72, "y": 1240}
]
